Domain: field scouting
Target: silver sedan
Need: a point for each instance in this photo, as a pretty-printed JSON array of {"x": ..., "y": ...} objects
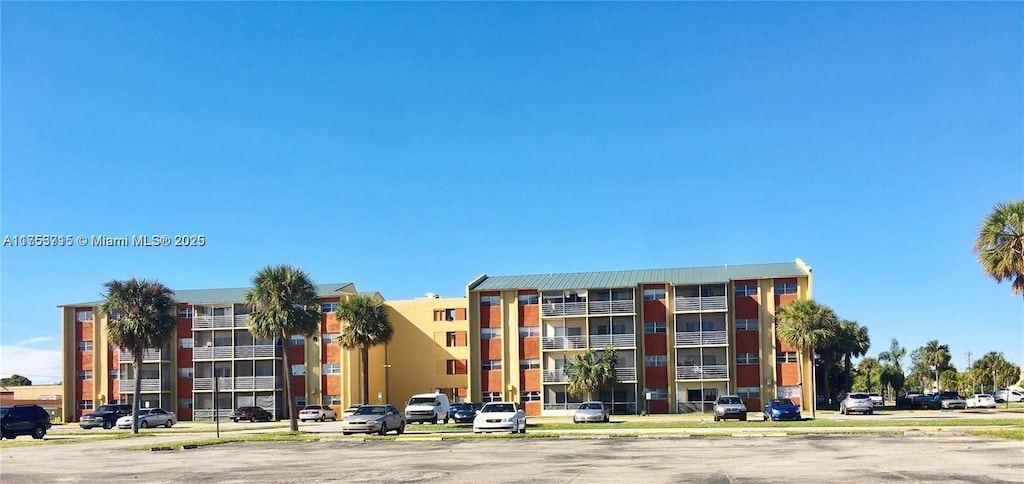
[
  {"x": 590, "y": 412},
  {"x": 369, "y": 419}
]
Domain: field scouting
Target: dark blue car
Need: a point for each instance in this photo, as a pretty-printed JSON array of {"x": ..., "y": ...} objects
[{"x": 781, "y": 409}]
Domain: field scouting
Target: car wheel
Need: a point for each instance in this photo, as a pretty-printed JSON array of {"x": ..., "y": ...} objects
[
  {"x": 743, "y": 418},
  {"x": 38, "y": 432},
  {"x": 322, "y": 417},
  {"x": 10, "y": 436},
  {"x": 575, "y": 421},
  {"x": 252, "y": 419},
  {"x": 446, "y": 420},
  {"x": 401, "y": 429},
  {"x": 434, "y": 420},
  {"x": 144, "y": 424},
  {"x": 716, "y": 418},
  {"x": 107, "y": 425},
  {"x": 168, "y": 424},
  {"x": 523, "y": 431},
  {"x": 383, "y": 429}
]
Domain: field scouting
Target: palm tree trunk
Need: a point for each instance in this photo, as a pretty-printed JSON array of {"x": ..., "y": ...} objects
[
  {"x": 937, "y": 387},
  {"x": 849, "y": 375},
  {"x": 137, "y": 365},
  {"x": 364, "y": 357},
  {"x": 288, "y": 391}
]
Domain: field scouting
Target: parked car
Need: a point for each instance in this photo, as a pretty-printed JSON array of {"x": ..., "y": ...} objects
[
  {"x": 922, "y": 400},
  {"x": 946, "y": 400},
  {"x": 906, "y": 400},
  {"x": 374, "y": 418},
  {"x": 781, "y": 409},
  {"x": 427, "y": 407},
  {"x": 318, "y": 412},
  {"x": 1002, "y": 396},
  {"x": 252, "y": 414},
  {"x": 105, "y": 416},
  {"x": 149, "y": 417},
  {"x": 857, "y": 402},
  {"x": 981, "y": 400},
  {"x": 465, "y": 412},
  {"x": 499, "y": 416},
  {"x": 877, "y": 399},
  {"x": 18, "y": 420},
  {"x": 590, "y": 412},
  {"x": 730, "y": 406},
  {"x": 350, "y": 410}
]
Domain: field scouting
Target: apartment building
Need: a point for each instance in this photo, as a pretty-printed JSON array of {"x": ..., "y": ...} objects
[{"x": 682, "y": 336}]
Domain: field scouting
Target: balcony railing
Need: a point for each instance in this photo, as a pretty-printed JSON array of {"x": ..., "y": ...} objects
[
  {"x": 625, "y": 374},
  {"x": 257, "y": 351},
  {"x": 707, "y": 303},
  {"x": 555, "y": 376},
  {"x": 228, "y": 352},
  {"x": 210, "y": 322},
  {"x": 702, "y": 372},
  {"x": 146, "y": 385},
  {"x": 125, "y": 356},
  {"x": 622, "y": 306},
  {"x": 236, "y": 383},
  {"x": 702, "y": 338},
  {"x": 614, "y": 340},
  {"x": 563, "y": 309},
  {"x": 207, "y": 413},
  {"x": 563, "y": 342}
]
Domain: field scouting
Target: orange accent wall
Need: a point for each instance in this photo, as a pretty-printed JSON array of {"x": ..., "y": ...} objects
[
  {"x": 532, "y": 408},
  {"x": 784, "y": 346},
  {"x": 490, "y": 316},
  {"x": 788, "y": 374},
  {"x": 490, "y": 381},
  {"x": 83, "y": 331},
  {"x": 752, "y": 404},
  {"x": 331, "y": 353},
  {"x": 748, "y": 375},
  {"x": 460, "y": 338},
  {"x": 460, "y": 314},
  {"x": 330, "y": 385},
  {"x": 529, "y": 380},
  {"x": 655, "y": 344},
  {"x": 490, "y": 349},
  {"x": 529, "y": 315},
  {"x": 529, "y": 347},
  {"x": 656, "y": 376},
  {"x": 747, "y": 342},
  {"x": 83, "y": 360},
  {"x": 658, "y": 406},
  {"x": 299, "y": 384},
  {"x": 747, "y": 307},
  {"x": 330, "y": 323},
  {"x": 655, "y": 311}
]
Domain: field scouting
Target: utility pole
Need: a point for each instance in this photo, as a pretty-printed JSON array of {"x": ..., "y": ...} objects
[{"x": 968, "y": 359}]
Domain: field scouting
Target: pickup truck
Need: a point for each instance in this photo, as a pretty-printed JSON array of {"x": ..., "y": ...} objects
[{"x": 877, "y": 399}]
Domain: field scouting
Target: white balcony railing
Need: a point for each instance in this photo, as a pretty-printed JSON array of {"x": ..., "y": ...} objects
[
  {"x": 125, "y": 356},
  {"x": 625, "y": 374},
  {"x": 210, "y": 322},
  {"x": 147, "y": 385},
  {"x": 701, "y": 338},
  {"x": 555, "y": 376},
  {"x": 207, "y": 413},
  {"x": 624, "y": 306},
  {"x": 563, "y": 342},
  {"x": 257, "y": 351},
  {"x": 563, "y": 309},
  {"x": 236, "y": 383},
  {"x": 614, "y": 340},
  {"x": 708, "y": 303},
  {"x": 702, "y": 372},
  {"x": 240, "y": 320},
  {"x": 212, "y": 352}
]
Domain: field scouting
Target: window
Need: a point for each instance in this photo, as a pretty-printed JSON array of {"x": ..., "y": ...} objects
[
  {"x": 746, "y": 325},
  {"x": 786, "y": 357},
  {"x": 83, "y": 316},
  {"x": 298, "y": 370},
  {"x": 746, "y": 359},
  {"x": 85, "y": 346},
  {"x": 115, "y": 374},
  {"x": 785, "y": 288},
  {"x": 328, "y": 307},
  {"x": 654, "y": 328},
  {"x": 529, "y": 331},
  {"x": 186, "y": 372},
  {"x": 184, "y": 403},
  {"x": 748, "y": 392},
  {"x": 490, "y": 300},
  {"x": 657, "y": 393},
  {"x": 85, "y": 404},
  {"x": 185, "y": 313},
  {"x": 447, "y": 314},
  {"x": 529, "y": 396},
  {"x": 490, "y": 333},
  {"x": 490, "y": 397},
  {"x": 529, "y": 364},
  {"x": 746, "y": 289},
  {"x": 491, "y": 365},
  {"x": 654, "y": 294},
  {"x": 526, "y": 299},
  {"x": 114, "y": 315},
  {"x": 185, "y": 342},
  {"x": 300, "y": 401},
  {"x": 85, "y": 375},
  {"x": 788, "y": 392},
  {"x": 330, "y": 338},
  {"x": 656, "y": 360},
  {"x": 332, "y": 399},
  {"x": 455, "y": 367},
  {"x": 450, "y": 339},
  {"x": 332, "y": 368},
  {"x": 296, "y": 339}
]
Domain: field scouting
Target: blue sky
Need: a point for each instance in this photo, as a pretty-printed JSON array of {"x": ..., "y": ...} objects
[{"x": 411, "y": 147}]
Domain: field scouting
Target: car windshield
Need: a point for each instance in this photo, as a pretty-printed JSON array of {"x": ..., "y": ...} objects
[
  {"x": 312, "y": 407},
  {"x": 859, "y": 396},
  {"x": 144, "y": 411},
  {"x": 4, "y": 410},
  {"x": 371, "y": 410},
  {"x": 500, "y": 407},
  {"x": 590, "y": 406},
  {"x": 729, "y": 400},
  {"x": 784, "y": 402},
  {"x": 421, "y": 401}
]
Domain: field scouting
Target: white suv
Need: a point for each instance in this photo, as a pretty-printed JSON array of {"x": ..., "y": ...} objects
[{"x": 318, "y": 412}]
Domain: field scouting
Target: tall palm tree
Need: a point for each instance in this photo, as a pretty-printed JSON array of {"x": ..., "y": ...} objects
[
  {"x": 141, "y": 316},
  {"x": 868, "y": 367},
  {"x": 892, "y": 377},
  {"x": 852, "y": 341},
  {"x": 808, "y": 326},
  {"x": 589, "y": 372},
  {"x": 366, "y": 325},
  {"x": 284, "y": 302},
  {"x": 894, "y": 355},
  {"x": 1000, "y": 244},
  {"x": 937, "y": 357}
]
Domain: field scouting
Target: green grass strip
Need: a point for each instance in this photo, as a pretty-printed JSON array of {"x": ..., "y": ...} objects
[{"x": 268, "y": 437}]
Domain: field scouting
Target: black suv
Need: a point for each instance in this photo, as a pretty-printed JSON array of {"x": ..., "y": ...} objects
[
  {"x": 251, "y": 414},
  {"x": 106, "y": 416},
  {"x": 23, "y": 420}
]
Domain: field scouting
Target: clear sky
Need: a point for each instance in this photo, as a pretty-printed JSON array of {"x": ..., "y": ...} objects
[{"x": 409, "y": 148}]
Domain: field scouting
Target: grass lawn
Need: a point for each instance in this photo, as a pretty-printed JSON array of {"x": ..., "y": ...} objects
[{"x": 268, "y": 437}]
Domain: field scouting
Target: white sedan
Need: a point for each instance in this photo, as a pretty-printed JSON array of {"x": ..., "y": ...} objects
[
  {"x": 149, "y": 417},
  {"x": 318, "y": 412},
  {"x": 500, "y": 416},
  {"x": 981, "y": 400}
]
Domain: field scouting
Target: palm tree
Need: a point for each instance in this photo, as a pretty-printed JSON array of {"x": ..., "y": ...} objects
[
  {"x": 808, "y": 326},
  {"x": 141, "y": 316},
  {"x": 868, "y": 367},
  {"x": 852, "y": 341},
  {"x": 892, "y": 377},
  {"x": 366, "y": 325},
  {"x": 894, "y": 355},
  {"x": 937, "y": 357},
  {"x": 1000, "y": 245},
  {"x": 589, "y": 372},
  {"x": 284, "y": 302}
]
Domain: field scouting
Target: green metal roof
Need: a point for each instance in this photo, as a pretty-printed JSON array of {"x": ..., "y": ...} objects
[
  {"x": 610, "y": 279},
  {"x": 235, "y": 294}
]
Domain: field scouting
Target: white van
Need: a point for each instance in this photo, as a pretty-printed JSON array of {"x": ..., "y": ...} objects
[{"x": 427, "y": 407}]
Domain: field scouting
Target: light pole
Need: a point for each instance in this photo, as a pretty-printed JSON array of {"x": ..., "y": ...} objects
[{"x": 387, "y": 381}]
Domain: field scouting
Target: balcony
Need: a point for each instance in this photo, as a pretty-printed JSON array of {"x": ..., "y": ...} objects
[
  {"x": 563, "y": 309},
  {"x": 211, "y": 322},
  {"x": 125, "y": 356},
  {"x": 555, "y": 376},
  {"x": 229, "y": 352},
  {"x": 146, "y": 385},
  {"x": 625, "y": 374},
  {"x": 237, "y": 383},
  {"x": 207, "y": 413},
  {"x": 613, "y": 340},
  {"x": 696, "y": 304},
  {"x": 703, "y": 372},
  {"x": 702, "y": 338},
  {"x": 623, "y": 306},
  {"x": 563, "y": 342}
]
